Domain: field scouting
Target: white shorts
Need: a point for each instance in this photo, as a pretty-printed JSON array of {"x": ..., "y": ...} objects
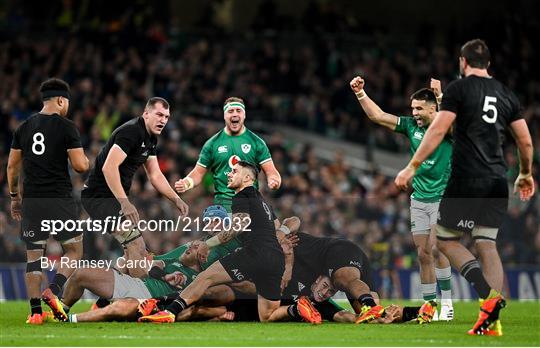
[
  {"x": 127, "y": 286},
  {"x": 423, "y": 216}
]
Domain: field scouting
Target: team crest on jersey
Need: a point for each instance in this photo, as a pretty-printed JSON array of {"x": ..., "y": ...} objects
[
  {"x": 301, "y": 286},
  {"x": 233, "y": 160},
  {"x": 246, "y": 148}
]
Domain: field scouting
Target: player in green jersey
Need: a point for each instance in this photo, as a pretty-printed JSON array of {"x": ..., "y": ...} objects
[
  {"x": 169, "y": 273},
  {"x": 223, "y": 150},
  {"x": 428, "y": 185}
]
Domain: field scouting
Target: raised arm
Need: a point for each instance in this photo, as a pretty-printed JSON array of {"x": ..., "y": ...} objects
[
  {"x": 372, "y": 110},
  {"x": 525, "y": 182}
]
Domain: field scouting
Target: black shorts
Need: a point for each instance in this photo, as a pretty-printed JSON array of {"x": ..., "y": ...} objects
[
  {"x": 42, "y": 216},
  {"x": 245, "y": 309},
  {"x": 264, "y": 268},
  {"x": 100, "y": 208},
  {"x": 344, "y": 253},
  {"x": 468, "y": 202}
]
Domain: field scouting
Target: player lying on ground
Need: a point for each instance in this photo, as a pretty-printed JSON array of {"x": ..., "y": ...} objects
[
  {"x": 261, "y": 259},
  {"x": 172, "y": 271},
  {"x": 348, "y": 267},
  {"x": 314, "y": 304}
]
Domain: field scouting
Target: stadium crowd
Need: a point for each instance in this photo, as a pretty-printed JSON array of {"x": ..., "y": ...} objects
[{"x": 283, "y": 81}]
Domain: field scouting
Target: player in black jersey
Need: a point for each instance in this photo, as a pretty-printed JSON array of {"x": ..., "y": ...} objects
[
  {"x": 476, "y": 197},
  {"x": 261, "y": 260},
  {"x": 348, "y": 267},
  {"x": 43, "y": 144},
  {"x": 105, "y": 194}
]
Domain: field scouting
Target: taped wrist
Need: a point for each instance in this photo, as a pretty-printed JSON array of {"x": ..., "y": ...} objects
[{"x": 190, "y": 183}]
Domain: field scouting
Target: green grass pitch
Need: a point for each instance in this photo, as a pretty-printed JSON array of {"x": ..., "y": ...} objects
[{"x": 520, "y": 324}]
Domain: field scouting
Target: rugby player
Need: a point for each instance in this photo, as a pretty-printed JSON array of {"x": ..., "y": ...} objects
[
  {"x": 42, "y": 146},
  {"x": 261, "y": 259},
  {"x": 476, "y": 197},
  {"x": 222, "y": 151},
  {"x": 105, "y": 194},
  {"x": 428, "y": 185}
]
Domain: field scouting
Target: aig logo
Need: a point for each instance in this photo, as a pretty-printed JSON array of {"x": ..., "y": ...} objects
[
  {"x": 238, "y": 275},
  {"x": 28, "y": 233},
  {"x": 466, "y": 223}
]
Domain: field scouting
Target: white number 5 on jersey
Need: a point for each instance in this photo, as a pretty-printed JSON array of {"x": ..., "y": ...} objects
[{"x": 489, "y": 105}]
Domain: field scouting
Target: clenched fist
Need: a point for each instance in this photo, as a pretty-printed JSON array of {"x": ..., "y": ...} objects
[
  {"x": 435, "y": 85},
  {"x": 357, "y": 84}
]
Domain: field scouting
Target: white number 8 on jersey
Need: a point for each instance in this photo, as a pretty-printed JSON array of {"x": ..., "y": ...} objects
[{"x": 38, "y": 146}]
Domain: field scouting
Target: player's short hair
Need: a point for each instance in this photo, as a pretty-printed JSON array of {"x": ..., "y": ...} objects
[
  {"x": 251, "y": 167},
  {"x": 54, "y": 87},
  {"x": 426, "y": 94},
  {"x": 154, "y": 100},
  {"x": 233, "y": 99},
  {"x": 476, "y": 53}
]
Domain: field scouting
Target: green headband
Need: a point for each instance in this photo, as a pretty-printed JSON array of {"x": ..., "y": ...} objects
[{"x": 233, "y": 104}]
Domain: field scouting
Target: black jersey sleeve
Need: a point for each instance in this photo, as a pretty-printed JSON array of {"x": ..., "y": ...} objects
[
  {"x": 451, "y": 98},
  {"x": 16, "y": 142},
  {"x": 517, "y": 111},
  {"x": 128, "y": 138},
  {"x": 240, "y": 203},
  {"x": 72, "y": 137}
]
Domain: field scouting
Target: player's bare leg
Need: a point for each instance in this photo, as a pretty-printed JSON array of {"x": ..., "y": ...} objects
[
  {"x": 347, "y": 279},
  {"x": 427, "y": 265},
  {"x": 490, "y": 260},
  {"x": 201, "y": 313},
  {"x": 213, "y": 275},
  {"x": 136, "y": 251},
  {"x": 100, "y": 281},
  {"x": 120, "y": 310},
  {"x": 462, "y": 259},
  {"x": 218, "y": 295},
  {"x": 268, "y": 309},
  {"x": 73, "y": 249}
]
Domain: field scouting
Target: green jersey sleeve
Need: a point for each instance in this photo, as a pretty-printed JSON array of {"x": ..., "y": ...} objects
[
  {"x": 404, "y": 124},
  {"x": 205, "y": 157},
  {"x": 263, "y": 153}
]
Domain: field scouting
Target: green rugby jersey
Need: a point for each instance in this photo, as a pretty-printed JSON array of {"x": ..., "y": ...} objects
[
  {"x": 222, "y": 151},
  {"x": 172, "y": 262},
  {"x": 431, "y": 177},
  {"x": 158, "y": 287}
]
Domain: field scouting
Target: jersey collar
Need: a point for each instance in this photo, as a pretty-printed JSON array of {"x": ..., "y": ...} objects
[{"x": 241, "y": 132}]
